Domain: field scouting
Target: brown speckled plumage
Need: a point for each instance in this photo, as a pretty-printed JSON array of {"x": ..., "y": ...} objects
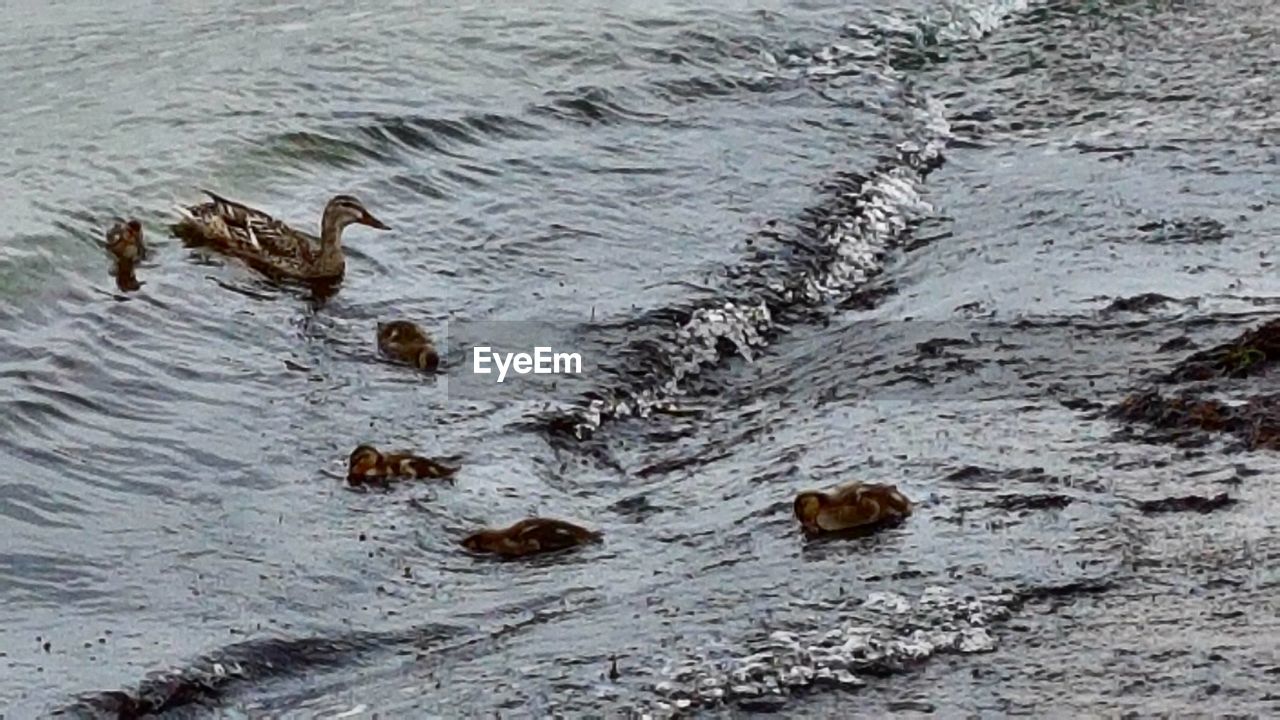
[
  {"x": 270, "y": 246},
  {"x": 405, "y": 342},
  {"x": 855, "y": 505},
  {"x": 530, "y": 537},
  {"x": 368, "y": 465},
  {"x": 124, "y": 242}
]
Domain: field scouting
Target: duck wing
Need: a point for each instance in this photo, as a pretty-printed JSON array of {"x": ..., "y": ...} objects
[
  {"x": 547, "y": 534},
  {"x": 843, "y": 517},
  {"x": 248, "y": 232}
]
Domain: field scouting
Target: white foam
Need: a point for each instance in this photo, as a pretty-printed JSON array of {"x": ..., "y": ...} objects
[
  {"x": 879, "y": 215},
  {"x": 898, "y": 634}
]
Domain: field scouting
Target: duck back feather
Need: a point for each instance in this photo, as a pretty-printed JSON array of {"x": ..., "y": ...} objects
[{"x": 265, "y": 243}]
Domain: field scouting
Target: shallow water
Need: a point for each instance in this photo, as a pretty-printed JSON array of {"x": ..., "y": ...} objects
[{"x": 852, "y": 182}]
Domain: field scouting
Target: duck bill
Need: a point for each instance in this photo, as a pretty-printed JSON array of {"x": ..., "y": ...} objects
[{"x": 374, "y": 222}]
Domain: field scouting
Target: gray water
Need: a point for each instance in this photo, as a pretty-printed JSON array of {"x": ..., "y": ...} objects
[{"x": 613, "y": 177}]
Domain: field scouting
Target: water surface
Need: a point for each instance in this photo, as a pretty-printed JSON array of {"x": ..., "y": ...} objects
[{"x": 635, "y": 182}]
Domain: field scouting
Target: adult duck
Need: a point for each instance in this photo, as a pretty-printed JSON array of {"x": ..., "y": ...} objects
[{"x": 270, "y": 246}]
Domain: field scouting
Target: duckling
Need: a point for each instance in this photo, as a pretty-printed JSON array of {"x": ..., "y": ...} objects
[
  {"x": 124, "y": 242},
  {"x": 404, "y": 341},
  {"x": 530, "y": 537},
  {"x": 368, "y": 465},
  {"x": 855, "y": 505}
]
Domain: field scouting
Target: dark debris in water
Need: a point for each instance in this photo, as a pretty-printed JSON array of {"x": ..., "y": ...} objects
[
  {"x": 1061, "y": 592},
  {"x": 1250, "y": 354},
  {"x": 636, "y": 507},
  {"x": 1080, "y": 404},
  {"x": 1044, "y": 501},
  {"x": 1180, "y": 412},
  {"x": 1190, "y": 416},
  {"x": 970, "y": 473},
  {"x": 1255, "y": 423},
  {"x": 1110, "y": 152},
  {"x": 973, "y": 477},
  {"x": 937, "y": 347},
  {"x": 1142, "y": 303},
  {"x": 1191, "y": 230},
  {"x": 1187, "y": 503},
  {"x": 1182, "y": 342}
]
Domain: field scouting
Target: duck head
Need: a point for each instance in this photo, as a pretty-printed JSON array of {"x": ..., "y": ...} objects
[
  {"x": 365, "y": 462},
  {"x": 807, "y": 506},
  {"x": 344, "y": 210},
  {"x": 482, "y": 541},
  {"x": 405, "y": 341},
  {"x": 394, "y": 331},
  {"x": 427, "y": 359},
  {"x": 124, "y": 240}
]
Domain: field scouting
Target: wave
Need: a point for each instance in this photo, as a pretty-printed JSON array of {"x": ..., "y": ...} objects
[
  {"x": 210, "y": 678},
  {"x": 844, "y": 247},
  {"x": 841, "y": 246},
  {"x": 890, "y": 45},
  {"x": 891, "y": 634}
]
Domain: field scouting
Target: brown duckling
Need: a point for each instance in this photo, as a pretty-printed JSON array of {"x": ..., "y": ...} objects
[
  {"x": 124, "y": 242},
  {"x": 855, "y": 505},
  {"x": 368, "y": 465},
  {"x": 530, "y": 537},
  {"x": 404, "y": 341}
]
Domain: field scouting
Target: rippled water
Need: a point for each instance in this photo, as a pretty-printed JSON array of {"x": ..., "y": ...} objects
[{"x": 753, "y": 220}]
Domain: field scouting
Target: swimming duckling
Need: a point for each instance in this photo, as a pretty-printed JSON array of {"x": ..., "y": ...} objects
[
  {"x": 124, "y": 242},
  {"x": 855, "y": 505},
  {"x": 404, "y": 341},
  {"x": 368, "y": 465},
  {"x": 530, "y": 537}
]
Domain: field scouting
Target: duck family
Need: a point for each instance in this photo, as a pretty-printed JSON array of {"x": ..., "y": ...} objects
[{"x": 282, "y": 253}]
